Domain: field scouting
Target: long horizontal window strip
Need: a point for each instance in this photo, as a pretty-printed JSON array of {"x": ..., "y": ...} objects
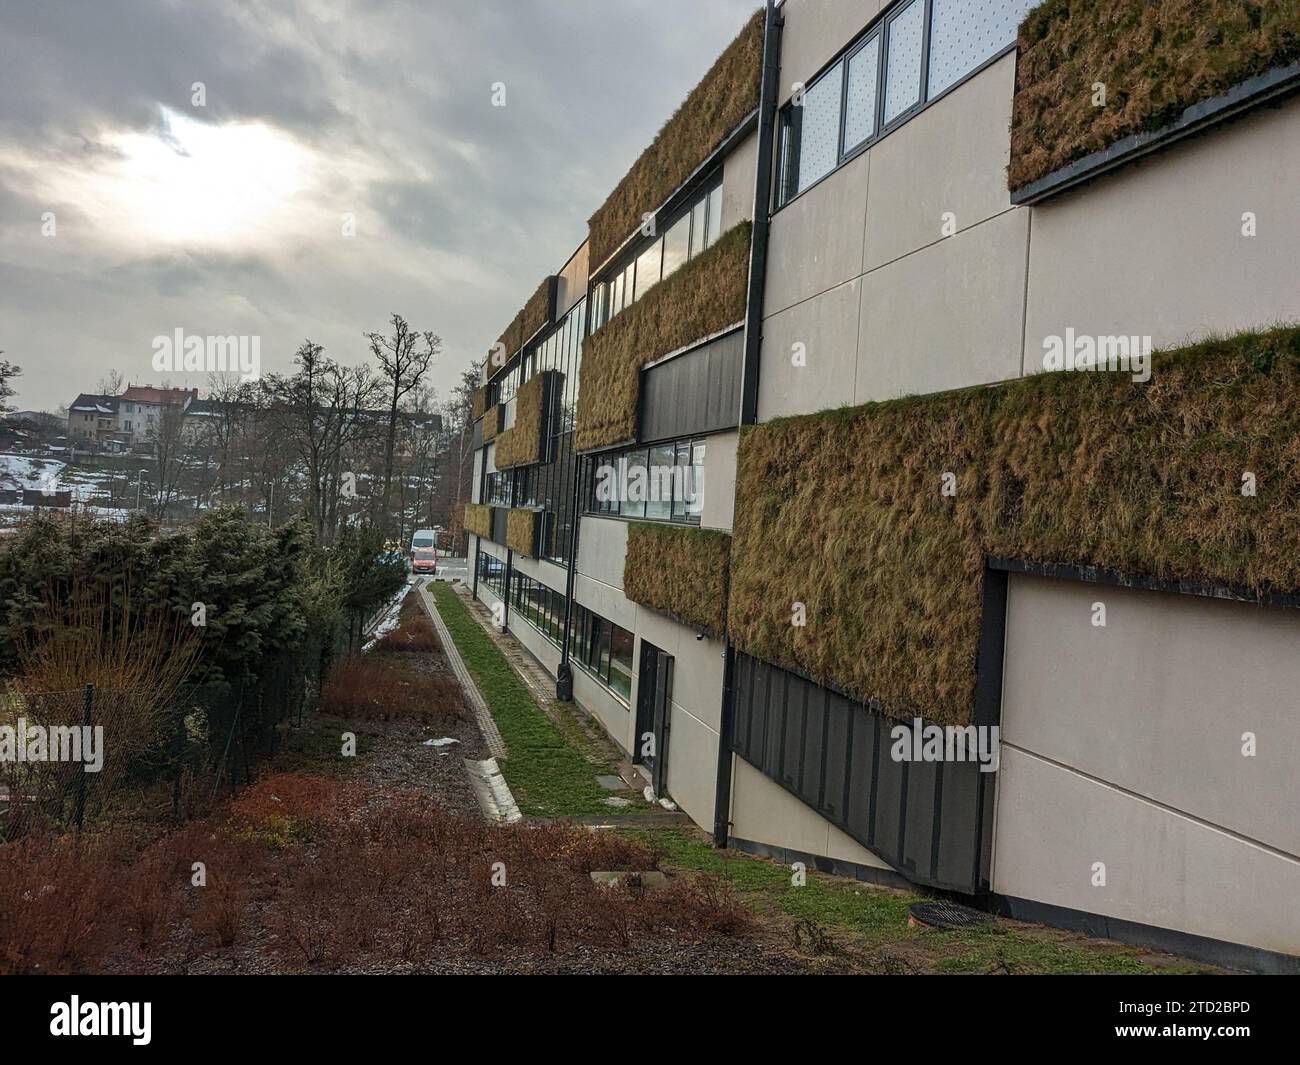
[
  {"x": 540, "y": 606},
  {"x": 917, "y": 50},
  {"x": 692, "y": 229},
  {"x": 664, "y": 482},
  {"x": 603, "y": 650},
  {"x": 492, "y": 573}
]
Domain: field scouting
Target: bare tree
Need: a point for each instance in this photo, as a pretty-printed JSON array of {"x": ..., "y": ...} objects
[
  {"x": 404, "y": 359},
  {"x": 8, "y": 371},
  {"x": 321, "y": 411},
  {"x": 110, "y": 384},
  {"x": 170, "y": 447}
]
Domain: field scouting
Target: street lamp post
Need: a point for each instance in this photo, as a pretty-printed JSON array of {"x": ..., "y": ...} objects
[{"x": 139, "y": 483}]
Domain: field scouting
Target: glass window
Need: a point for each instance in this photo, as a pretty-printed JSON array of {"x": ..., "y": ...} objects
[
  {"x": 818, "y": 125},
  {"x": 963, "y": 35},
  {"x": 602, "y": 648},
  {"x": 698, "y": 232},
  {"x": 620, "y": 673},
  {"x": 682, "y": 460},
  {"x": 860, "y": 103},
  {"x": 648, "y": 266},
  {"x": 632, "y": 483},
  {"x": 696, "y": 507},
  {"x": 677, "y": 245},
  {"x": 715, "y": 214},
  {"x": 903, "y": 66},
  {"x": 616, "y": 302},
  {"x": 659, "y": 498}
]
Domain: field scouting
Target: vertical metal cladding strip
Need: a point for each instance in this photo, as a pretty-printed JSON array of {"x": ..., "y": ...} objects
[{"x": 748, "y": 413}]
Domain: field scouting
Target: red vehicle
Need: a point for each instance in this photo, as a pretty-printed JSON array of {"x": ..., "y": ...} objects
[{"x": 424, "y": 560}]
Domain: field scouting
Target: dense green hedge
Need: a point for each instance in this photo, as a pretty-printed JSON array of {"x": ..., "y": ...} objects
[
  {"x": 265, "y": 591},
  {"x": 1156, "y": 58},
  {"x": 844, "y": 512},
  {"x": 723, "y": 99},
  {"x": 705, "y": 296},
  {"x": 679, "y": 570}
]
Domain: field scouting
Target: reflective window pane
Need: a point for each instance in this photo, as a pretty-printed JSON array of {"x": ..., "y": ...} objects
[
  {"x": 648, "y": 266},
  {"x": 697, "y": 227},
  {"x": 659, "y": 505},
  {"x": 860, "y": 105},
  {"x": 620, "y": 675},
  {"x": 903, "y": 67},
  {"x": 715, "y": 214},
  {"x": 677, "y": 244}
]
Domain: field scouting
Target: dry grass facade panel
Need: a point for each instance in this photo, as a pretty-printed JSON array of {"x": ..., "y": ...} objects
[
  {"x": 1156, "y": 58},
  {"x": 679, "y": 570},
  {"x": 539, "y": 311},
  {"x": 521, "y": 531},
  {"x": 522, "y": 443},
  {"x": 844, "y": 512},
  {"x": 480, "y": 402},
  {"x": 703, "y": 297},
  {"x": 478, "y": 520},
  {"x": 491, "y": 422},
  {"x": 722, "y": 100}
]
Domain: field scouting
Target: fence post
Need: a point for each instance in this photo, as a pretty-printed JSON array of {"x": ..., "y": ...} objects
[{"x": 87, "y": 707}]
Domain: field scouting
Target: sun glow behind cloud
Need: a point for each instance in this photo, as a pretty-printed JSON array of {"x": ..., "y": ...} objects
[{"x": 191, "y": 182}]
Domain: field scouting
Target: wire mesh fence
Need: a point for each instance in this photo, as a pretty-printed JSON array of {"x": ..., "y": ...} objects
[{"x": 93, "y": 757}]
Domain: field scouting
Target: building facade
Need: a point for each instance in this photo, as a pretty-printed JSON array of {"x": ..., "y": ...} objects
[{"x": 828, "y": 344}]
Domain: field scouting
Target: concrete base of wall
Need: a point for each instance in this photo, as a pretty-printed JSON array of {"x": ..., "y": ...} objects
[
  {"x": 868, "y": 874},
  {"x": 1198, "y": 948}
]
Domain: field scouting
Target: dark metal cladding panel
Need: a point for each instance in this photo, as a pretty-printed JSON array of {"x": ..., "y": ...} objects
[
  {"x": 837, "y": 757},
  {"x": 743, "y": 705},
  {"x": 694, "y": 393},
  {"x": 500, "y": 516},
  {"x": 889, "y": 799},
  {"x": 929, "y": 820},
  {"x": 862, "y": 783},
  {"x": 918, "y": 839},
  {"x": 959, "y": 836},
  {"x": 758, "y": 725},
  {"x": 814, "y": 748},
  {"x": 796, "y": 689}
]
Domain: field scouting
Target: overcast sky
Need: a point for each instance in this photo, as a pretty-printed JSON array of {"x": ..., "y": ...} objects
[{"x": 227, "y": 218}]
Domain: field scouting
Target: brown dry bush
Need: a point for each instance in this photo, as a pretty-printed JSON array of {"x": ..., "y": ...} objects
[
  {"x": 371, "y": 689},
  {"x": 415, "y": 634},
  {"x": 55, "y": 899}
]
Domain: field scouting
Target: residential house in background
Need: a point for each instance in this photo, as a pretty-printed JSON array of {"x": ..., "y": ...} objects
[
  {"x": 93, "y": 421},
  {"x": 141, "y": 409}
]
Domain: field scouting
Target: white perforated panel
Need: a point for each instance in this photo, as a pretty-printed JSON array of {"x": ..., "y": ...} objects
[
  {"x": 903, "y": 70},
  {"x": 964, "y": 33},
  {"x": 819, "y": 138},
  {"x": 860, "y": 111}
]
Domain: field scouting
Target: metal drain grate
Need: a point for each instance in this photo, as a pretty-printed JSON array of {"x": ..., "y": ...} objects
[{"x": 947, "y": 915}]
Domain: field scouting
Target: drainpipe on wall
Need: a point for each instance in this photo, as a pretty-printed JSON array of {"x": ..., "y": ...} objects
[
  {"x": 768, "y": 93},
  {"x": 564, "y": 673}
]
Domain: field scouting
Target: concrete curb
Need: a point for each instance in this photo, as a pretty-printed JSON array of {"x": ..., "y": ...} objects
[{"x": 492, "y": 791}]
